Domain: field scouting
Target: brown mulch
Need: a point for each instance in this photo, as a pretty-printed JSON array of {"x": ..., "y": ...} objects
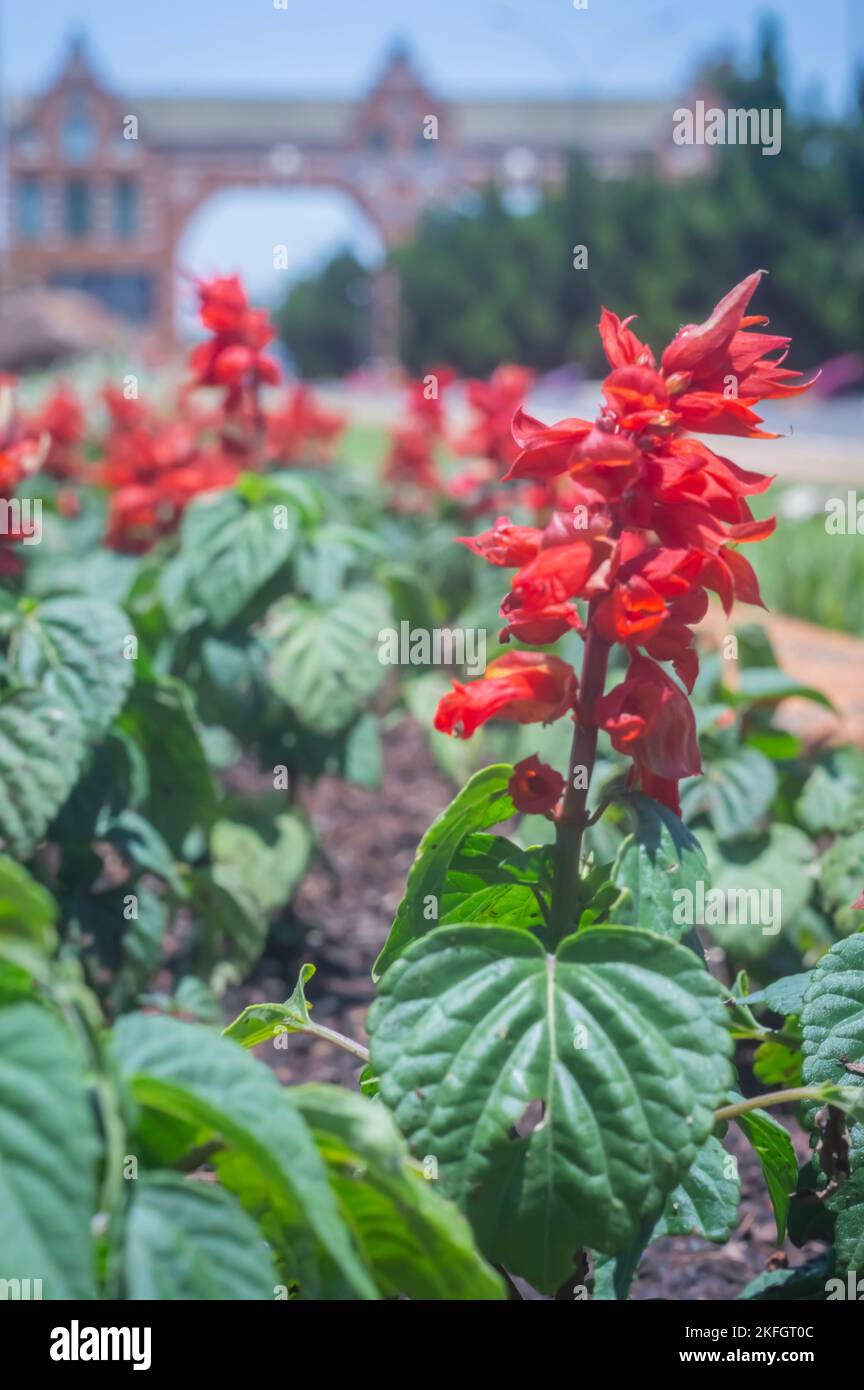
[{"x": 343, "y": 912}]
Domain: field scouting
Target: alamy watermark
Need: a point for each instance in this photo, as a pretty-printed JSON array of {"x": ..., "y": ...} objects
[
  {"x": 720, "y": 907},
  {"x": 737, "y": 126},
  {"x": 437, "y": 646},
  {"x": 21, "y": 518}
]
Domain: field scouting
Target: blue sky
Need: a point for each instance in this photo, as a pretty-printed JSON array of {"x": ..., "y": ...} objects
[{"x": 464, "y": 47}]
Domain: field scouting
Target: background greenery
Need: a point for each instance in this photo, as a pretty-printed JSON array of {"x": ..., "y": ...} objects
[{"x": 483, "y": 285}]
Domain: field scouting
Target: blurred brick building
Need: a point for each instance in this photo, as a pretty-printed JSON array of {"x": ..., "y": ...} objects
[{"x": 102, "y": 183}]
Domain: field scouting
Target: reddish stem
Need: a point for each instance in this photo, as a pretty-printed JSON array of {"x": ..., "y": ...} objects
[{"x": 573, "y": 817}]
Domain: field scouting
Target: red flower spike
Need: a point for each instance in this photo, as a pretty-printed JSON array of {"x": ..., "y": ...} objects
[{"x": 645, "y": 521}]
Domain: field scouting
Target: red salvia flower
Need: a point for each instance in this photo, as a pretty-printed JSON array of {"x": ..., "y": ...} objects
[
  {"x": 657, "y": 518},
  {"x": 526, "y": 687}
]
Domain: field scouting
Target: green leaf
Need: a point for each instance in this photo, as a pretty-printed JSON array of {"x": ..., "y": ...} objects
[
  {"x": 620, "y": 1040},
  {"x": 143, "y": 944},
  {"x": 27, "y": 913},
  {"x": 769, "y": 685},
  {"x": 847, "y": 1204},
  {"x": 784, "y": 996},
  {"x": 840, "y": 879},
  {"x": 324, "y": 657},
  {"x": 362, "y": 762},
  {"x": 735, "y": 793},
  {"x": 705, "y": 1202},
  {"x": 48, "y": 1156},
  {"x": 186, "y": 1071},
  {"x": 269, "y": 857},
  {"x": 42, "y": 747},
  {"x": 833, "y": 796},
  {"x": 182, "y": 795},
  {"x": 660, "y": 859},
  {"x": 232, "y": 547},
  {"x": 140, "y": 842},
  {"x": 833, "y": 1023},
  {"x": 507, "y": 904},
  {"x": 773, "y": 1147},
  {"x": 482, "y": 802},
  {"x": 777, "y": 1065},
  {"x": 260, "y": 1022},
  {"x": 189, "y": 1240},
  {"x": 414, "y": 1242},
  {"x": 805, "y": 1283},
  {"x": 72, "y": 649},
  {"x": 232, "y": 927}
]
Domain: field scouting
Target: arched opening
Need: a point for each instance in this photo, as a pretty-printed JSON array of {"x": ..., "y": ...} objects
[{"x": 273, "y": 238}]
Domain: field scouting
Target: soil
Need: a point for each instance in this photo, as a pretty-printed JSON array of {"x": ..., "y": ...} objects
[{"x": 342, "y": 914}]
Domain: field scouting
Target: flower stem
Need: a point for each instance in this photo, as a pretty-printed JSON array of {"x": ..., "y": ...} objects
[
  {"x": 318, "y": 1030},
  {"x": 573, "y": 817},
  {"x": 741, "y": 1107}
]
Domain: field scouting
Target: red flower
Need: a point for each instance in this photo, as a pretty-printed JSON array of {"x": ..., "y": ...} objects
[
  {"x": 538, "y": 607},
  {"x": 494, "y": 402},
  {"x": 61, "y": 419},
  {"x": 535, "y": 787},
  {"x": 300, "y": 427},
  {"x": 527, "y": 687},
  {"x": 506, "y": 544},
  {"x": 656, "y": 521},
  {"x": 233, "y": 356},
  {"x": 649, "y": 718}
]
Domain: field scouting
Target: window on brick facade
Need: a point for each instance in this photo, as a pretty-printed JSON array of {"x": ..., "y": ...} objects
[
  {"x": 79, "y": 132},
  {"x": 125, "y": 209},
  {"x": 28, "y": 208},
  {"x": 77, "y": 209}
]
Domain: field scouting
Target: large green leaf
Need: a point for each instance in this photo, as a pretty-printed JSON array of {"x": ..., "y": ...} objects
[
  {"x": 186, "y": 1071},
  {"x": 414, "y": 1242},
  {"x": 616, "y": 1049},
  {"x": 42, "y": 747},
  {"x": 160, "y": 716},
  {"x": 833, "y": 1023},
  {"x": 658, "y": 860},
  {"x": 72, "y": 649},
  {"x": 483, "y": 801},
  {"x": 232, "y": 546},
  {"x": 48, "y": 1156},
  {"x": 324, "y": 657},
  {"x": 735, "y": 792},
  {"x": 189, "y": 1240}
]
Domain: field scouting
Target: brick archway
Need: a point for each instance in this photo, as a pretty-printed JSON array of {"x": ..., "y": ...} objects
[
  {"x": 192, "y": 195},
  {"x": 102, "y": 184}
]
